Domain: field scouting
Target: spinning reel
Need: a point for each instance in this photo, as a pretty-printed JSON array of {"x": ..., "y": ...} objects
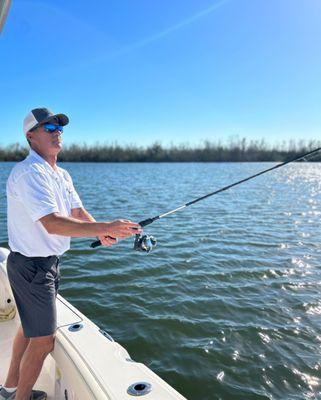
[{"x": 144, "y": 242}]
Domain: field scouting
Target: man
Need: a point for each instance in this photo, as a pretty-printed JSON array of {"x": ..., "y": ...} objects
[{"x": 44, "y": 211}]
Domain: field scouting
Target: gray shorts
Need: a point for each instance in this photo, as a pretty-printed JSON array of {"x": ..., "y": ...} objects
[{"x": 34, "y": 282}]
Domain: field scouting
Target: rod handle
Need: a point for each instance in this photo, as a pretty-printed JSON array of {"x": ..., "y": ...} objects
[{"x": 95, "y": 244}]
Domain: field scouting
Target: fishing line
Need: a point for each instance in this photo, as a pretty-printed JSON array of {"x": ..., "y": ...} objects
[{"x": 145, "y": 242}]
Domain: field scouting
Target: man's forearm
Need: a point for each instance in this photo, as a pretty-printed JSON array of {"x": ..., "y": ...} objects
[{"x": 69, "y": 226}]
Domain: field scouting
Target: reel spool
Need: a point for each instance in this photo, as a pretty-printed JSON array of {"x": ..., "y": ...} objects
[{"x": 144, "y": 242}]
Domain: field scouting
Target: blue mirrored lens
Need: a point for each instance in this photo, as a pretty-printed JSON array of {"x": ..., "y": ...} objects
[{"x": 52, "y": 128}]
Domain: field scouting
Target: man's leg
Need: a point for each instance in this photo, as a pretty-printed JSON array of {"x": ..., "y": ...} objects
[
  {"x": 31, "y": 364},
  {"x": 20, "y": 344}
]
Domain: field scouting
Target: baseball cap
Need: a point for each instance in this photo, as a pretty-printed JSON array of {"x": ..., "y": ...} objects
[{"x": 39, "y": 116}]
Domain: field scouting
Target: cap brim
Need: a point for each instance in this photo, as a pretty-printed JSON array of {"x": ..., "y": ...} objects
[{"x": 62, "y": 119}]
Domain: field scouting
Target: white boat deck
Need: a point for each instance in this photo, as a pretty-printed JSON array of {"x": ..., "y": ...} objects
[{"x": 46, "y": 379}]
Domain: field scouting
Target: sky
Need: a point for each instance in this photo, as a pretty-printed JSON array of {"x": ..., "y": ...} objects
[{"x": 171, "y": 71}]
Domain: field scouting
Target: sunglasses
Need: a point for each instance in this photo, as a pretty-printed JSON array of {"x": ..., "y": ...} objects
[{"x": 51, "y": 128}]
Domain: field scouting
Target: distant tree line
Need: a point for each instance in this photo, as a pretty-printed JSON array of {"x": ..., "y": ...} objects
[{"x": 236, "y": 150}]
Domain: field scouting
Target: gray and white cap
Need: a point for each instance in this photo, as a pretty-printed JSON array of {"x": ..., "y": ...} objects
[{"x": 39, "y": 116}]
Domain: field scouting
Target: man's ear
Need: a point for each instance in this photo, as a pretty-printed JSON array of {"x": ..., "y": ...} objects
[{"x": 29, "y": 136}]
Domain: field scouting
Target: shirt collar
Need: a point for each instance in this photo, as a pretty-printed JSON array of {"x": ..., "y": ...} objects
[{"x": 34, "y": 155}]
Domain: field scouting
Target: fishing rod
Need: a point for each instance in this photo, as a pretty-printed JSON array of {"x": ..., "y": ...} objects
[{"x": 145, "y": 242}]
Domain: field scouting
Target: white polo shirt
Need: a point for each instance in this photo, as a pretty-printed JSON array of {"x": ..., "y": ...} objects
[{"x": 35, "y": 189}]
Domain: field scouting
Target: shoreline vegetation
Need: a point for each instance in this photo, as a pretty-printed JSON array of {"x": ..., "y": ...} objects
[{"x": 237, "y": 150}]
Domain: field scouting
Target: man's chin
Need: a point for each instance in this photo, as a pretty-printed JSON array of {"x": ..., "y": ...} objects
[{"x": 57, "y": 145}]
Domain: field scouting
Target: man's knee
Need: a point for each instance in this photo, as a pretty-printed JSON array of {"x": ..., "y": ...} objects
[{"x": 43, "y": 345}]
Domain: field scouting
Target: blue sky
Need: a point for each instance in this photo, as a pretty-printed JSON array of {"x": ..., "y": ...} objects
[{"x": 172, "y": 71}]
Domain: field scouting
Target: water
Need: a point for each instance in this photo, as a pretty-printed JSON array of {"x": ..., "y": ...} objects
[{"x": 228, "y": 305}]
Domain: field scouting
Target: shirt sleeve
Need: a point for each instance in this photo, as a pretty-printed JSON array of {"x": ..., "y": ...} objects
[
  {"x": 35, "y": 191},
  {"x": 75, "y": 199}
]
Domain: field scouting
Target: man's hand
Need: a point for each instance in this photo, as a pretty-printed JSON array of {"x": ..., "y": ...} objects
[
  {"x": 123, "y": 228},
  {"x": 119, "y": 229},
  {"x": 107, "y": 240}
]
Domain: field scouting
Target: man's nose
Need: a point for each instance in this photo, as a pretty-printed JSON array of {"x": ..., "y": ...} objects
[{"x": 56, "y": 136}]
